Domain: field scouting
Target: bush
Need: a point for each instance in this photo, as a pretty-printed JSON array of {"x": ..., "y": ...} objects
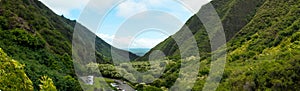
[
  {"x": 23, "y": 38},
  {"x": 68, "y": 83},
  {"x": 295, "y": 37},
  {"x": 148, "y": 78},
  {"x": 130, "y": 77},
  {"x": 47, "y": 84},
  {"x": 12, "y": 75},
  {"x": 151, "y": 88}
]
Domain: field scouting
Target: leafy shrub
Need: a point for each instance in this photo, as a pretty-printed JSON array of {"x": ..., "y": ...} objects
[
  {"x": 295, "y": 37},
  {"x": 151, "y": 88},
  {"x": 68, "y": 83},
  {"x": 47, "y": 84},
  {"x": 23, "y": 38},
  {"x": 12, "y": 75}
]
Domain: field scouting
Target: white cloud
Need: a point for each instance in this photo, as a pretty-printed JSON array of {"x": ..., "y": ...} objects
[
  {"x": 117, "y": 41},
  {"x": 125, "y": 9},
  {"x": 156, "y": 2},
  {"x": 107, "y": 38},
  {"x": 146, "y": 42},
  {"x": 130, "y": 7}
]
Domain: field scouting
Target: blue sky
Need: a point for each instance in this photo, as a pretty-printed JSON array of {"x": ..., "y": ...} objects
[{"x": 131, "y": 23}]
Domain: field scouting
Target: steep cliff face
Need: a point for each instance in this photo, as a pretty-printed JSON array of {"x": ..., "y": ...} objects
[
  {"x": 234, "y": 14},
  {"x": 263, "y": 46},
  {"x": 264, "y": 54}
]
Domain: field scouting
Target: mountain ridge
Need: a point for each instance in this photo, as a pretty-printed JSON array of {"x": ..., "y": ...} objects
[
  {"x": 263, "y": 47},
  {"x": 37, "y": 37},
  {"x": 232, "y": 23}
]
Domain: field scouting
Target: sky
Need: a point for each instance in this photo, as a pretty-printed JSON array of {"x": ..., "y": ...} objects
[{"x": 129, "y": 23}]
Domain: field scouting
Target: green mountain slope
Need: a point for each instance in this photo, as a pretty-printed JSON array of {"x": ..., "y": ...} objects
[
  {"x": 35, "y": 36},
  {"x": 265, "y": 54},
  {"x": 234, "y": 14},
  {"x": 263, "y": 48}
]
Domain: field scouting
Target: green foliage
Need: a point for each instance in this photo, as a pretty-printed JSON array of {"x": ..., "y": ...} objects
[
  {"x": 129, "y": 77},
  {"x": 37, "y": 37},
  {"x": 23, "y": 38},
  {"x": 151, "y": 88},
  {"x": 234, "y": 15},
  {"x": 3, "y": 23},
  {"x": 108, "y": 70},
  {"x": 148, "y": 78},
  {"x": 263, "y": 55},
  {"x": 47, "y": 84},
  {"x": 12, "y": 75},
  {"x": 99, "y": 85},
  {"x": 143, "y": 87},
  {"x": 262, "y": 75},
  {"x": 263, "y": 48},
  {"x": 68, "y": 83},
  {"x": 295, "y": 37}
]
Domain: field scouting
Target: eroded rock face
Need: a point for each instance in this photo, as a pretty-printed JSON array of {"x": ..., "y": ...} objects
[{"x": 18, "y": 22}]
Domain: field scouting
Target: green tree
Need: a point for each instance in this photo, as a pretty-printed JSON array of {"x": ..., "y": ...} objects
[
  {"x": 12, "y": 75},
  {"x": 68, "y": 83},
  {"x": 148, "y": 78},
  {"x": 151, "y": 88},
  {"x": 130, "y": 77},
  {"x": 47, "y": 84}
]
